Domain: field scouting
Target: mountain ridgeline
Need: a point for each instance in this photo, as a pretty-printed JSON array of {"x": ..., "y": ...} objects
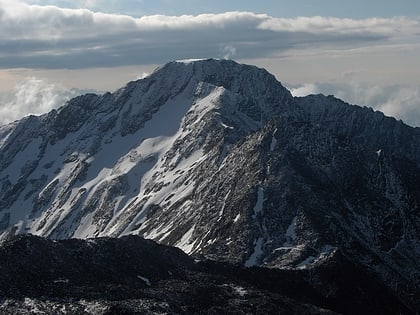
[{"x": 219, "y": 159}]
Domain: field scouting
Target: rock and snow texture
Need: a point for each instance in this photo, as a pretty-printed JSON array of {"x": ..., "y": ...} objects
[
  {"x": 131, "y": 275},
  {"x": 218, "y": 158},
  {"x": 101, "y": 164}
]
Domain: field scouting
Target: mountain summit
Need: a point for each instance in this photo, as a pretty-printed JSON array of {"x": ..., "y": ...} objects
[
  {"x": 218, "y": 159},
  {"x": 98, "y": 165}
]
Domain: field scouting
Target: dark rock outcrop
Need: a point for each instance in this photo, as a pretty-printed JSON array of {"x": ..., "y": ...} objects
[{"x": 131, "y": 275}]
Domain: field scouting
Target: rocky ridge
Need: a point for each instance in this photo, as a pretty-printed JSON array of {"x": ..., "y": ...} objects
[{"x": 130, "y": 275}]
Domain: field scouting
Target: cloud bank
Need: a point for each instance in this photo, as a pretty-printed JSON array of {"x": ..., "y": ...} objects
[
  {"x": 32, "y": 96},
  {"x": 36, "y": 36}
]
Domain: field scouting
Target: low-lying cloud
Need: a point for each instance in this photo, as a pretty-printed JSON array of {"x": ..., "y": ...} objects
[
  {"x": 36, "y": 96},
  {"x": 32, "y": 96},
  {"x": 401, "y": 102},
  {"x": 36, "y": 36}
]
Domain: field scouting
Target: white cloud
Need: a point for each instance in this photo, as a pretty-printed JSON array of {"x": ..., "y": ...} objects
[
  {"x": 403, "y": 103},
  {"x": 228, "y": 52},
  {"x": 87, "y": 3},
  {"x": 303, "y": 90},
  {"x": 343, "y": 26},
  {"x": 53, "y": 37},
  {"x": 32, "y": 96}
]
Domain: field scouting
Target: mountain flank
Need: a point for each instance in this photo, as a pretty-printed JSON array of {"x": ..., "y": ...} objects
[{"x": 220, "y": 160}]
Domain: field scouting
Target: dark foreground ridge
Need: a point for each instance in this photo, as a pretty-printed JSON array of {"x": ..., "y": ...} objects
[{"x": 131, "y": 275}]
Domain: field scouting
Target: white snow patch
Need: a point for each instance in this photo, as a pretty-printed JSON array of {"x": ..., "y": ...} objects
[
  {"x": 378, "y": 153},
  {"x": 304, "y": 264},
  {"x": 325, "y": 251},
  {"x": 222, "y": 157},
  {"x": 224, "y": 204},
  {"x": 290, "y": 235},
  {"x": 94, "y": 308},
  {"x": 209, "y": 242},
  {"x": 18, "y": 227},
  {"x": 186, "y": 61},
  {"x": 159, "y": 233},
  {"x": 86, "y": 228},
  {"x": 273, "y": 143},
  {"x": 253, "y": 259},
  {"x": 145, "y": 280},
  {"x": 289, "y": 248},
  {"x": 260, "y": 201},
  {"x": 185, "y": 242},
  {"x": 61, "y": 280},
  {"x": 241, "y": 291},
  {"x": 226, "y": 126},
  {"x": 237, "y": 218}
]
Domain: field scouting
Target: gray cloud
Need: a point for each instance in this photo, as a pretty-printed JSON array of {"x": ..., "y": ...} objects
[
  {"x": 343, "y": 26},
  {"x": 50, "y": 37},
  {"x": 401, "y": 102},
  {"x": 228, "y": 51}
]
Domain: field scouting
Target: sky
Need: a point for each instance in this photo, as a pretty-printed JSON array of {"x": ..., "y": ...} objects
[{"x": 365, "y": 52}]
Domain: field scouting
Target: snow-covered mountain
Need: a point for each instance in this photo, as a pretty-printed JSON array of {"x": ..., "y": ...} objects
[
  {"x": 218, "y": 158},
  {"x": 101, "y": 164}
]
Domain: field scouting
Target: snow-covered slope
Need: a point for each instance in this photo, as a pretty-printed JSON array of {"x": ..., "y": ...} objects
[
  {"x": 219, "y": 159},
  {"x": 100, "y": 163}
]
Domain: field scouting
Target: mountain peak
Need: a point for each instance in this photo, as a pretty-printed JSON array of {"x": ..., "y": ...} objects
[
  {"x": 217, "y": 158},
  {"x": 224, "y": 72}
]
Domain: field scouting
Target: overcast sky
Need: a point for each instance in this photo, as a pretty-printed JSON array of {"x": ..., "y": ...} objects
[{"x": 366, "y": 52}]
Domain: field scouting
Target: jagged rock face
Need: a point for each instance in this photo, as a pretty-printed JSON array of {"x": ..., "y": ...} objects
[{"x": 219, "y": 159}]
